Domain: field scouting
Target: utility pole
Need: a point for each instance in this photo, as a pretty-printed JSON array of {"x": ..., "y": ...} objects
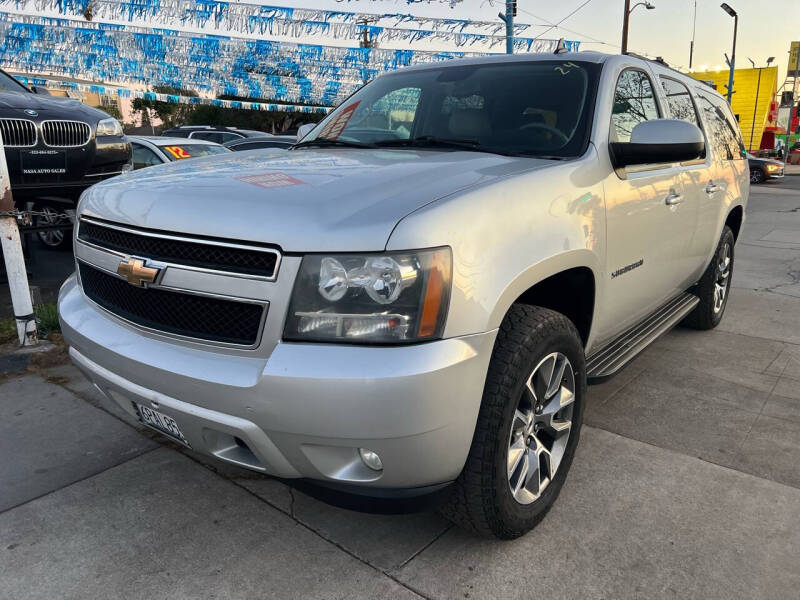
[
  {"x": 694, "y": 32},
  {"x": 508, "y": 19},
  {"x": 625, "y": 16},
  {"x": 15, "y": 261}
]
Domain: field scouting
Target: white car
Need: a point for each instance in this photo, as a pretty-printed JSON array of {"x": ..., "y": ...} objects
[
  {"x": 156, "y": 150},
  {"x": 415, "y": 296}
]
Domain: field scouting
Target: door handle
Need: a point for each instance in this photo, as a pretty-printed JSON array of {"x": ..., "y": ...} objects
[
  {"x": 712, "y": 188},
  {"x": 673, "y": 199}
]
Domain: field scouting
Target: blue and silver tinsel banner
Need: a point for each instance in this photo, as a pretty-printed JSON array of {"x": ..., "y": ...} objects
[{"x": 151, "y": 43}]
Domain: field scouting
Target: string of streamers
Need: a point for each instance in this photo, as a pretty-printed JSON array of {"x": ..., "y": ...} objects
[
  {"x": 239, "y": 17},
  {"x": 210, "y": 64},
  {"x": 107, "y": 90}
]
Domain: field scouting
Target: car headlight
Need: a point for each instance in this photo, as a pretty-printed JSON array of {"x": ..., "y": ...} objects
[
  {"x": 109, "y": 126},
  {"x": 772, "y": 167},
  {"x": 371, "y": 298}
]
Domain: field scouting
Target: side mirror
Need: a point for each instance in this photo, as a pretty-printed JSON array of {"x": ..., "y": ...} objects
[
  {"x": 304, "y": 130},
  {"x": 36, "y": 89},
  {"x": 659, "y": 141}
]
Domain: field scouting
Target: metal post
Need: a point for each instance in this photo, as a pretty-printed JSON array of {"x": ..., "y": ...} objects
[
  {"x": 694, "y": 31},
  {"x": 509, "y": 26},
  {"x": 755, "y": 110},
  {"x": 15, "y": 261},
  {"x": 733, "y": 59},
  {"x": 625, "y": 16}
]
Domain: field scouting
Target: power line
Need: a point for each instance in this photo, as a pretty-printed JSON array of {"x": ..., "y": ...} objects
[{"x": 564, "y": 19}]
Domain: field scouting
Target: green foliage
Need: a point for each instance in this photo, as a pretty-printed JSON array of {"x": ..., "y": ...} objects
[
  {"x": 47, "y": 318},
  {"x": 112, "y": 111},
  {"x": 173, "y": 115}
]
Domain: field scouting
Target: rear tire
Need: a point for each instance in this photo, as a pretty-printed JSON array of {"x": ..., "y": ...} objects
[
  {"x": 526, "y": 435},
  {"x": 714, "y": 287}
]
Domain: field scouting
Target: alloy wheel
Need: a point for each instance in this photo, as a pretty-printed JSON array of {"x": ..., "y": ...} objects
[
  {"x": 722, "y": 281},
  {"x": 541, "y": 427},
  {"x": 52, "y": 237}
]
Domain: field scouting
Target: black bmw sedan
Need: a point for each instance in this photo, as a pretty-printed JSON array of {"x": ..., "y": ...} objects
[
  {"x": 56, "y": 148},
  {"x": 762, "y": 169}
]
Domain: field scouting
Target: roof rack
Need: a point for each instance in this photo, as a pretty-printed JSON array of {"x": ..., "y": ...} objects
[{"x": 658, "y": 60}]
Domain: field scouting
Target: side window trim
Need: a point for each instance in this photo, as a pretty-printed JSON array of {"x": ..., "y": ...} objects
[
  {"x": 656, "y": 98},
  {"x": 643, "y": 170},
  {"x": 700, "y": 123}
]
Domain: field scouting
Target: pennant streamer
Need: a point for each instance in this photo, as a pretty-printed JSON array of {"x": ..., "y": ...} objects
[{"x": 121, "y": 44}]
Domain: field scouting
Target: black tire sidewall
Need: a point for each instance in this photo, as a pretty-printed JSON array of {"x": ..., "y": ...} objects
[
  {"x": 757, "y": 176},
  {"x": 727, "y": 235},
  {"x": 523, "y": 517}
]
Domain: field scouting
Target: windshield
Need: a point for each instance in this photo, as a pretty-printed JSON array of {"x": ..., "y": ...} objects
[
  {"x": 529, "y": 108},
  {"x": 181, "y": 151},
  {"x": 9, "y": 84}
]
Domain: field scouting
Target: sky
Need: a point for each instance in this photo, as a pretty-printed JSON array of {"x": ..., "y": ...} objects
[{"x": 766, "y": 27}]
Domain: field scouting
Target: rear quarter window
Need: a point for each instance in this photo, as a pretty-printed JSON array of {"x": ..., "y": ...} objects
[{"x": 722, "y": 129}]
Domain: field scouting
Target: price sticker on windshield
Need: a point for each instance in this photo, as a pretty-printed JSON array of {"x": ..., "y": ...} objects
[
  {"x": 333, "y": 129},
  {"x": 178, "y": 152}
]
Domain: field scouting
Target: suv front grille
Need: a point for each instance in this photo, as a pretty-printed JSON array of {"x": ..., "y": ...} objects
[
  {"x": 18, "y": 133},
  {"x": 199, "y": 253},
  {"x": 187, "y": 315},
  {"x": 65, "y": 134}
]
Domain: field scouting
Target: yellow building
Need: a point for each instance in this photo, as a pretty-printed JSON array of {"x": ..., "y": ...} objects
[{"x": 745, "y": 85}]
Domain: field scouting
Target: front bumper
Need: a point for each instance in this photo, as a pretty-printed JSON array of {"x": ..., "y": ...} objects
[{"x": 303, "y": 411}]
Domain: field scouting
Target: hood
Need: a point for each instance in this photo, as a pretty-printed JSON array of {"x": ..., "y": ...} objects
[
  {"x": 301, "y": 200},
  {"x": 42, "y": 102}
]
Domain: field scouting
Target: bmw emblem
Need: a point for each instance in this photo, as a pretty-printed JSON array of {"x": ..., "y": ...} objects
[{"x": 31, "y": 112}]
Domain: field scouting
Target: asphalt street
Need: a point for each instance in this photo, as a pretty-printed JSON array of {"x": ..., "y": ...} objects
[{"x": 686, "y": 484}]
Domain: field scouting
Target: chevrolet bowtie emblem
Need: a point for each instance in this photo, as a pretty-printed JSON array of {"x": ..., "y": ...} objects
[{"x": 136, "y": 273}]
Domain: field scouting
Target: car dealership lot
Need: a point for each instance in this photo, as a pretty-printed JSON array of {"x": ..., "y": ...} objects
[{"x": 686, "y": 484}]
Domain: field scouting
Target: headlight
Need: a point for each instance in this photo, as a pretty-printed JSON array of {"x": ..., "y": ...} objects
[
  {"x": 371, "y": 298},
  {"x": 109, "y": 126},
  {"x": 772, "y": 167}
]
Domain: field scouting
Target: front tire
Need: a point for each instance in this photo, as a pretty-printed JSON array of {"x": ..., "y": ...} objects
[
  {"x": 713, "y": 289},
  {"x": 757, "y": 176},
  {"x": 527, "y": 429}
]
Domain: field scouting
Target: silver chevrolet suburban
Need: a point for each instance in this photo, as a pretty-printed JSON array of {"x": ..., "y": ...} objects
[{"x": 413, "y": 298}]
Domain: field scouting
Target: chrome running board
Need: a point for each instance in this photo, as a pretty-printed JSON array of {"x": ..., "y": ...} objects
[{"x": 609, "y": 359}]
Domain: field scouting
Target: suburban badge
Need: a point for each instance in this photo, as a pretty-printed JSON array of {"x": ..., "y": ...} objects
[{"x": 136, "y": 273}]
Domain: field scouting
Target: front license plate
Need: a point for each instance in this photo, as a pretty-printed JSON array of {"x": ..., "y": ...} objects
[
  {"x": 38, "y": 163},
  {"x": 160, "y": 422}
]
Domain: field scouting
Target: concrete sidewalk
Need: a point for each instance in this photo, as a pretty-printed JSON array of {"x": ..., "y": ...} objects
[{"x": 686, "y": 484}]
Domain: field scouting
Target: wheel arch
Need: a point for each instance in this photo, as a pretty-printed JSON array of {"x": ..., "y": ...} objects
[
  {"x": 566, "y": 284},
  {"x": 735, "y": 219}
]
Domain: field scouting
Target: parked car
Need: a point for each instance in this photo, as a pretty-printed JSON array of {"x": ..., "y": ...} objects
[
  {"x": 212, "y": 133},
  {"x": 762, "y": 169},
  {"x": 157, "y": 150},
  {"x": 413, "y": 298},
  {"x": 273, "y": 141},
  {"x": 56, "y": 148}
]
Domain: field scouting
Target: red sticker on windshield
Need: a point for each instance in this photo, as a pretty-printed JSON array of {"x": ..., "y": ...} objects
[
  {"x": 333, "y": 129},
  {"x": 178, "y": 152},
  {"x": 270, "y": 180}
]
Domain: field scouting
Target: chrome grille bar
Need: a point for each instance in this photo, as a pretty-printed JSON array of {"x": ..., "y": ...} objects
[
  {"x": 18, "y": 133},
  {"x": 65, "y": 134}
]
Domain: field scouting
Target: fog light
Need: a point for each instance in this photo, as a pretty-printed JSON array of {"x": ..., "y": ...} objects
[{"x": 371, "y": 459}]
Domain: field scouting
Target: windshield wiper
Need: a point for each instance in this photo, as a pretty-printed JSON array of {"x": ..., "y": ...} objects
[
  {"x": 431, "y": 141},
  {"x": 328, "y": 142}
]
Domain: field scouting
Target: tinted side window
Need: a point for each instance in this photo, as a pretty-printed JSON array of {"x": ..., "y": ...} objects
[
  {"x": 634, "y": 102},
  {"x": 144, "y": 157},
  {"x": 723, "y": 131},
  {"x": 679, "y": 101}
]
